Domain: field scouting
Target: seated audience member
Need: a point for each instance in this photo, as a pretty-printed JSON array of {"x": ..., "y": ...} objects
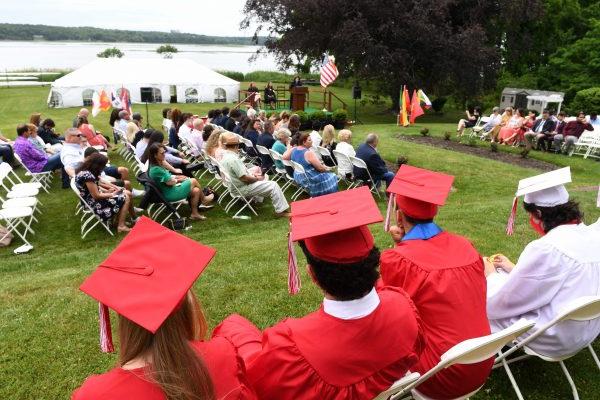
[
  {"x": 124, "y": 118},
  {"x": 173, "y": 137},
  {"x": 37, "y": 141},
  {"x": 571, "y": 133},
  {"x": 213, "y": 145},
  {"x": 252, "y": 132},
  {"x": 316, "y": 176},
  {"x": 106, "y": 204},
  {"x": 281, "y": 145},
  {"x": 495, "y": 119},
  {"x": 142, "y": 145},
  {"x": 134, "y": 127},
  {"x": 594, "y": 121},
  {"x": 375, "y": 164},
  {"x": 284, "y": 119},
  {"x": 46, "y": 132},
  {"x": 35, "y": 119},
  {"x": 90, "y": 134},
  {"x": 250, "y": 185},
  {"x": 166, "y": 124},
  {"x": 509, "y": 133},
  {"x": 559, "y": 267},
  {"x": 314, "y": 134},
  {"x": 505, "y": 118},
  {"x": 344, "y": 146},
  {"x": 163, "y": 355},
  {"x": 216, "y": 116},
  {"x": 195, "y": 136},
  {"x": 175, "y": 187},
  {"x": 351, "y": 347},
  {"x": 262, "y": 116},
  {"x": 253, "y": 95},
  {"x": 470, "y": 121},
  {"x": 235, "y": 117},
  {"x": 113, "y": 121},
  {"x": 175, "y": 160},
  {"x": 84, "y": 112},
  {"x": 34, "y": 159},
  {"x": 206, "y": 132},
  {"x": 266, "y": 140},
  {"x": 187, "y": 124},
  {"x": 109, "y": 182},
  {"x": 294, "y": 126},
  {"x": 541, "y": 132},
  {"x": 330, "y": 144},
  {"x": 270, "y": 96},
  {"x": 242, "y": 126},
  {"x": 443, "y": 274},
  {"x": 224, "y": 117},
  {"x": 6, "y": 150}
]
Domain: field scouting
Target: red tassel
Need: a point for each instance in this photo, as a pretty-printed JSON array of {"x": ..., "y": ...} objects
[
  {"x": 390, "y": 209},
  {"x": 511, "y": 219},
  {"x": 293, "y": 275},
  {"x": 106, "y": 343}
]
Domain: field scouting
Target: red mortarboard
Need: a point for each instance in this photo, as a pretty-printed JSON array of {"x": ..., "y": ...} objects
[
  {"x": 334, "y": 228},
  {"x": 147, "y": 276},
  {"x": 419, "y": 192}
]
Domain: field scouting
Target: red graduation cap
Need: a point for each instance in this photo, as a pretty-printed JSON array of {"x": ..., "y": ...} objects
[
  {"x": 333, "y": 227},
  {"x": 146, "y": 277},
  {"x": 418, "y": 192}
]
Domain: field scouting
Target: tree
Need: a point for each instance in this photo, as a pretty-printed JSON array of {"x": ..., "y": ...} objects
[
  {"x": 167, "y": 50},
  {"x": 441, "y": 46},
  {"x": 110, "y": 52}
]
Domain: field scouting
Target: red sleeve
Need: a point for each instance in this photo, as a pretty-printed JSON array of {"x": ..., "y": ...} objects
[
  {"x": 244, "y": 336},
  {"x": 400, "y": 272}
]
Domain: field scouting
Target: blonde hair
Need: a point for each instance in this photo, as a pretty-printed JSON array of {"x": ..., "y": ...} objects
[
  {"x": 345, "y": 135},
  {"x": 328, "y": 135},
  {"x": 35, "y": 119},
  {"x": 212, "y": 144}
]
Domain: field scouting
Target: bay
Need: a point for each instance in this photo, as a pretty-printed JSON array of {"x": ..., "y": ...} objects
[{"x": 42, "y": 55}]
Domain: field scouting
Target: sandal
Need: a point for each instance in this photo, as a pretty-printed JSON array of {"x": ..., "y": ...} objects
[{"x": 198, "y": 218}]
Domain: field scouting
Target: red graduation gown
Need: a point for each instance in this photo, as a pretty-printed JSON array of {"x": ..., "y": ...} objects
[
  {"x": 444, "y": 277},
  {"x": 322, "y": 357},
  {"x": 225, "y": 367}
]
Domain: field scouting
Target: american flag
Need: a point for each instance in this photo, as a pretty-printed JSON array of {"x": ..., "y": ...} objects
[{"x": 329, "y": 72}]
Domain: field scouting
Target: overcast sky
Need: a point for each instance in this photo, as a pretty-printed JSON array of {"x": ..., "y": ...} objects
[{"x": 207, "y": 17}]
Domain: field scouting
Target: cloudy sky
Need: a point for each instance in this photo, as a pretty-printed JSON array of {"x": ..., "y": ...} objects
[{"x": 208, "y": 17}]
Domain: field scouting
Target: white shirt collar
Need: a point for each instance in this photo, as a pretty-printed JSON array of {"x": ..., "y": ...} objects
[{"x": 352, "y": 309}]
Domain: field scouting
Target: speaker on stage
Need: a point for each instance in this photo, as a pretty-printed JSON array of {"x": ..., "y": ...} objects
[
  {"x": 356, "y": 91},
  {"x": 147, "y": 95}
]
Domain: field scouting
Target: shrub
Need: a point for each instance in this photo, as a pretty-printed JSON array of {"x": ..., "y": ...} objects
[
  {"x": 167, "y": 50},
  {"x": 318, "y": 116},
  {"x": 447, "y": 135},
  {"x": 472, "y": 141},
  {"x": 587, "y": 100},
  {"x": 340, "y": 117},
  {"x": 424, "y": 131},
  {"x": 303, "y": 116},
  {"x": 494, "y": 147},
  {"x": 438, "y": 103},
  {"x": 524, "y": 153},
  {"x": 236, "y": 76},
  {"x": 401, "y": 160},
  {"x": 110, "y": 52}
]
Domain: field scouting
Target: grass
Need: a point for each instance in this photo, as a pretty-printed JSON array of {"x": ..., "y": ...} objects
[{"x": 48, "y": 329}]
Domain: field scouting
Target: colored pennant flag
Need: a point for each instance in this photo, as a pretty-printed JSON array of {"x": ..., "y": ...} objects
[
  {"x": 424, "y": 99},
  {"x": 415, "y": 107},
  {"x": 125, "y": 100},
  {"x": 116, "y": 101},
  {"x": 329, "y": 72},
  {"x": 100, "y": 102},
  {"x": 404, "y": 108}
]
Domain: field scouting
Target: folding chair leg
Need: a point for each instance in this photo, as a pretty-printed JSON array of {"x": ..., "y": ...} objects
[
  {"x": 512, "y": 379},
  {"x": 594, "y": 355},
  {"x": 573, "y": 387}
]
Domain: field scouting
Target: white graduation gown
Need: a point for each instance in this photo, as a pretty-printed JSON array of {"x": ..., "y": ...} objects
[{"x": 553, "y": 270}]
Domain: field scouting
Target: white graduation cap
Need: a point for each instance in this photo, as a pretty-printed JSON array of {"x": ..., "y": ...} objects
[{"x": 545, "y": 190}]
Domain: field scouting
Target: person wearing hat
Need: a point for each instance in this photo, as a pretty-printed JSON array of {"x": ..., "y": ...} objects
[
  {"x": 161, "y": 325},
  {"x": 360, "y": 340},
  {"x": 559, "y": 267},
  {"x": 442, "y": 273},
  {"x": 248, "y": 184}
]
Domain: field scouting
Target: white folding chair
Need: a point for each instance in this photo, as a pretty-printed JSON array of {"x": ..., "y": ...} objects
[
  {"x": 587, "y": 142},
  {"x": 236, "y": 197},
  {"x": 16, "y": 191},
  {"x": 324, "y": 152},
  {"x": 582, "y": 309},
  {"x": 398, "y": 386},
  {"x": 477, "y": 130},
  {"x": 43, "y": 178},
  {"x": 470, "y": 130},
  {"x": 359, "y": 163},
  {"x": 89, "y": 219},
  {"x": 14, "y": 218},
  {"x": 264, "y": 151},
  {"x": 298, "y": 168},
  {"x": 248, "y": 144},
  {"x": 470, "y": 351},
  {"x": 281, "y": 172},
  {"x": 7, "y": 172}
]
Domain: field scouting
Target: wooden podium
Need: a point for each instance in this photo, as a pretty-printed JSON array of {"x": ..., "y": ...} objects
[{"x": 299, "y": 97}]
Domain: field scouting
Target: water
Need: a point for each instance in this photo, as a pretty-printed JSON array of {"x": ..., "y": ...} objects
[{"x": 72, "y": 55}]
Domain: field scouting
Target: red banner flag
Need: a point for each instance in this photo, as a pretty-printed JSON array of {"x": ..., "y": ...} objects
[{"x": 415, "y": 107}]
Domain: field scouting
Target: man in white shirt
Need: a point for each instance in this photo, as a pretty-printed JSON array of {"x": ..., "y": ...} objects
[
  {"x": 561, "y": 266},
  {"x": 186, "y": 128},
  {"x": 195, "y": 136},
  {"x": 344, "y": 146},
  {"x": 495, "y": 119}
]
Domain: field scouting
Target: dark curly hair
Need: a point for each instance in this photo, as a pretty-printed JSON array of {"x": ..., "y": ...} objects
[
  {"x": 345, "y": 282},
  {"x": 557, "y": 215}
]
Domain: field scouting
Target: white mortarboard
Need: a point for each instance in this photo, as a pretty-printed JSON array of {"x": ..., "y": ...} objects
[{"x": 545, "y": 190}]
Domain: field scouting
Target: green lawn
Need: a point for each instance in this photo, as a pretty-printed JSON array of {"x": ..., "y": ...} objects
[{"x": 48, "y": 329}]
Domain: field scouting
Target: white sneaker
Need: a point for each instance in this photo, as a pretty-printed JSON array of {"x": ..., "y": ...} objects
[
  {"x": 138, "y": 210},
  {"x": 138, "y": 193}
]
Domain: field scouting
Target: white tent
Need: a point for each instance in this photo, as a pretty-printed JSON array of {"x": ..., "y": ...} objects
[
  {"x": 147, "y": 80},
  {"x": 545, "y": 99}
]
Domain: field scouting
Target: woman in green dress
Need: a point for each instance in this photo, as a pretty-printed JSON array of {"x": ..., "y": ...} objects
[{"x": 175, "y": 187}]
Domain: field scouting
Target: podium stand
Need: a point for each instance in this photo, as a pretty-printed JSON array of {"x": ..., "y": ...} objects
[{"x": 299, "y": 97}]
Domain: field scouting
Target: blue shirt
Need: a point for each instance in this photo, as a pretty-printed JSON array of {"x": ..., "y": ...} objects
[{"x": 423, "y": 232}]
